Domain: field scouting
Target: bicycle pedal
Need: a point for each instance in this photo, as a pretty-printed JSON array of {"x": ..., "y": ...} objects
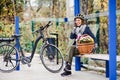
[
  {"x": 29, "y": 65},
  {"x": 25, "y": 60}
]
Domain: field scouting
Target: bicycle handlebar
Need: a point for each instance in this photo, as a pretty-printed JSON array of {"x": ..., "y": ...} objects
[
  {"x": 42, "y": 28},
  {"x": 49, "y": 23}
]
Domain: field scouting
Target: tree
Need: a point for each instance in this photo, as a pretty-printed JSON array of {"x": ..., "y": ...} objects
[{"x": 9, "y": 8}]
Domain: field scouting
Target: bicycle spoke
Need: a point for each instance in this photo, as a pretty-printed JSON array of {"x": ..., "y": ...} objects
[
  {"x": 8, "y": 61},
  {"x": 12, "y": 63},
  {"x": 52, "y": 58}
]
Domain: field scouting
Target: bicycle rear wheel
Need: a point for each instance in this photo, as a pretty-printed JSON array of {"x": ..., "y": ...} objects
[
  {"x": 9, "y": 58},
  {"x": 52, "y": 58}
]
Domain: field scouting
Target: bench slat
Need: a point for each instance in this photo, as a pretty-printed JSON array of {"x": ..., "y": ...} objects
[{"x": 98, "y": 56}]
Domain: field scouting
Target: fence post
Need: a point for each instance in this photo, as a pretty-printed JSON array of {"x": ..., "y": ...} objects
[
  {"x": 32, "y": 28},
  {"x": 17, "y": 40},
  {"x": 98, "y": 32},
  {"x": 77, "y": 11},
  {"x": 112, "y": 39}
]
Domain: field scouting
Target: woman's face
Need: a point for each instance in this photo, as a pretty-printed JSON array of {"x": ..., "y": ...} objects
[{"x": 78, "y": 22}]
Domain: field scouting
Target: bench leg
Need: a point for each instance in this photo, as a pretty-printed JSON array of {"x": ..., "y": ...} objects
[
  {"x": 77, "y": 63},
  {"x": 107, "y": 69}
]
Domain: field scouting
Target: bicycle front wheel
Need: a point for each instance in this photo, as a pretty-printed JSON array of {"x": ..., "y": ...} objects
[
  {"x": 8, "y": 58},
  {"x": 52, "y": 58}
]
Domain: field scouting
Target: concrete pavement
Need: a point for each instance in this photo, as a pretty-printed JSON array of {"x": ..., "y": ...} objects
[{"x": 38, "y": 72}]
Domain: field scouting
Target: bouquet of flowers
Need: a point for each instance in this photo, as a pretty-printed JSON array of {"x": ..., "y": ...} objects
[
  {"x": 85, "y": 38},
  {"x": 85, "y": 44}
]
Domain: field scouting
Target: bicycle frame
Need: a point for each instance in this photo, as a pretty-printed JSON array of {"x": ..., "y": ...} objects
[{"x": 40, "y": 36}]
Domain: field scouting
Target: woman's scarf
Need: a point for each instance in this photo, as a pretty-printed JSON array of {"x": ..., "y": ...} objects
[{"x": 79, "y": 30}]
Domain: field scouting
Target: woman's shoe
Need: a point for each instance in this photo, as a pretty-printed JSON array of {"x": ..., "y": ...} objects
[{"x": 66, "y": 73}]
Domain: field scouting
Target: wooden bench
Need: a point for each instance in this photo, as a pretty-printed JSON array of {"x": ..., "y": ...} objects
[{"x": 103, "y": 57}]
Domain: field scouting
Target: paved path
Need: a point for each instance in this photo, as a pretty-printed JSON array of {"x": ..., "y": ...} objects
[{"x": 38, "y": 72}]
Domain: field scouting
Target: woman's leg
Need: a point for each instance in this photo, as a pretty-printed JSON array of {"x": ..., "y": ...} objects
[{"x": 72, "y": 52}]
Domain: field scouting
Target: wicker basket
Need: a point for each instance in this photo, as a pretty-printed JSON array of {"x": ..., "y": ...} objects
[{"x": 85, "y": 48}]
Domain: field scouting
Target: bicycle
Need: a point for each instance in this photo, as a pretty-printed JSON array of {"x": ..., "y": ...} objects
[{"x": 10, "y": 56}]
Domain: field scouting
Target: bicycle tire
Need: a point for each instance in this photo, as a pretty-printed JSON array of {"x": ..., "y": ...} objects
[
  {"x": 55, "y": 63},
  {"x": 8, "y": 58}
]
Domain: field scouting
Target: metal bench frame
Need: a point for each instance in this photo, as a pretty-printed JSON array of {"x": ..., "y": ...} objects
[{"x": 102, "y": 57}]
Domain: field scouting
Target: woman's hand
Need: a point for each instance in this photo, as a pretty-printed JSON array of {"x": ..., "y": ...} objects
[
  {"x": 95, "y": 48},
  {"x": 96, "y": 45},
  {"x": 74, "y": 30}
]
